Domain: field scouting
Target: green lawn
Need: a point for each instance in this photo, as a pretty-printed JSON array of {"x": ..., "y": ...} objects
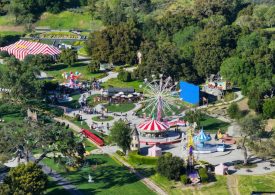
[
  {"x": 176, "y": 188},
  {"x": 176, "y": 109},
  {"x": 7, "y": 20},
  {"x": 247, "y": 184},
  {"x": 97, "y": 119},
  {"x": 69, "y": 20},
  {"x": 217, "y": 188},
  {"x": 109, "y": 177},
  {"x": 4, "y": 33},
  {"x": 53, "y": 189},
  {"x": 117, "y": 83},
  {"x": 212, "y": 124},
  {"x": 57, "y": 70},
  {"x": 72, "y": 104},
  {"x": 121, "y": 107}
]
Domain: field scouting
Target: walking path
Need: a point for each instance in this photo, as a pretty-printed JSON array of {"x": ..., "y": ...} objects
[
  {"x": 61, "y": 181},
  {"x": 232, "y": 184}
]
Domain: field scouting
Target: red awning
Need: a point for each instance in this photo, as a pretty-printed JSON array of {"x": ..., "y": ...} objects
[{"x": 153, "y": 125}]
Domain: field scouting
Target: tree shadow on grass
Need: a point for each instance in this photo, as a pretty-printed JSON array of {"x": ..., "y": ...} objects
[{"x": 105, "y": 177}]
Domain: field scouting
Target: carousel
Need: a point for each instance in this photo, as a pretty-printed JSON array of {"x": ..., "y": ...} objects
[{"x": 153, "y": 128}]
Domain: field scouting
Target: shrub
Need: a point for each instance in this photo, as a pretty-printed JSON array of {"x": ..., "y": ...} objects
[
  {"x": 269, "y": 108},
  {"x": 134, "y": 157},
  {"x": 184, "y": 179},
  {"x": 234, "y": 111},
  {"x": 4, "y": 54},
  {"x": 120, "y": 153},
  {"x": 170, "y": 166},
  {"x": 203, "y": 175},
  {"x": 124, "y": 76},
  {"x": 93, "y": 67},
  {"x": 77, "y": 117},
  {"x": 229, "y": 97}
]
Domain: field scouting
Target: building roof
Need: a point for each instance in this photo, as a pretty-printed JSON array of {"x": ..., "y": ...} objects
[
  {"x": 114, "y": 90},
  {"x": 135, "y": 131},
  {"x": 22, "y": 48}
]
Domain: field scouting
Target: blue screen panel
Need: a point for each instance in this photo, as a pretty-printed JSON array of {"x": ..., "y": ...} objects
[{"x": 189, "y": 93}]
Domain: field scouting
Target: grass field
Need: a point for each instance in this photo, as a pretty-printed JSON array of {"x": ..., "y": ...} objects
[
  {"x": 7, "y": 20},
  {"x": 117, "y": 83},
  {"x": 54, "y": 188},
  {"x": 57, "y": 70},
  {"x": 176, "y": 109},
  {"x": 211, "y": 124},
  {"x": 69, "y": 20},
  {"x": 247, "y": 184},
  {"x": 121, "y": 107},
  {"x": 109, "y": 177},
  {"x": 98, "y": 119}
]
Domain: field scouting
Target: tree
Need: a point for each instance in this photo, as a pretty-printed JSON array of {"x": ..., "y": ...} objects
[
  {"x": 40, "y": 61},
  {"x": 121, "y": 135},
  {"x": 124, "y": 76},
  {"x": 193, "y": 116},
  {"x": 26, "y": 179},
  {"x": 211, "y": 47},
  {"x": 21, "y": 79},
  {"x": 169, "y": 64},
  {"x": 115, "y": 44},
  {"x": 170, "y": 166},
  {"x": 269, "y": 108},
  {"x": 234, "y": 111},
  {"x": 205, "y": 8},
  {"x": 93, "y": 66},
  {"x": 68, "y": 56},
  {"x": 18, "y": 141},
  {"x": 251, "y": 128}
]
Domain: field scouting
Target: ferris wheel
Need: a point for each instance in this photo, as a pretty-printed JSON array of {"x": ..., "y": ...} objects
[{"x": 159, "y": 95}]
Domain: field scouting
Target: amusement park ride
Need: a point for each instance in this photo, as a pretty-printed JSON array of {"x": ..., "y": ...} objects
[
  {"x": 158, "y": 93},
  {"x": 72, "y": 79}
]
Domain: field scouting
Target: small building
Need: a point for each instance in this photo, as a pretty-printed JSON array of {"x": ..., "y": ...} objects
[
  {"x": 125, "y": 91},
  {"x": 135, "y": 144},
  {"x": 154, "y": 151},
  {"x": 221, "y": 169}
]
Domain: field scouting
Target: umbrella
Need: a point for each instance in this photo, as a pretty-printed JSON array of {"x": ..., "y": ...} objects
[
  {"x": 130, "y": 95},
  {"x": 121, "y": 93}
]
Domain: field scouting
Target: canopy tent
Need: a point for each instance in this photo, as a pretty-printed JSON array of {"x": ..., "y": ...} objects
[
  {"x": 153, "y": 126},
  {"x": 202, "y": 137},
  {"x": 22, "y": 48},
  {"x": 176, "y": 122}
]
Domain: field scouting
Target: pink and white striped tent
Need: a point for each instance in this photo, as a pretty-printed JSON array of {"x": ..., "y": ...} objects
[
  {"x": 22, "y": 48},
  {"x": 176, "y": 122},
  {"x": 153, "y": 126}
]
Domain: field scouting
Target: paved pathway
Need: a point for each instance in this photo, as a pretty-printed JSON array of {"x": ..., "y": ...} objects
[
  {"x": 61, "y": 181},
  {"x": 232, "y": 185}
]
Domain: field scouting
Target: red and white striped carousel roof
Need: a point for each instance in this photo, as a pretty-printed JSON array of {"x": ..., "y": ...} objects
[
  {"x": 22, "y": 48},
  {"x": 153, "y": 125}
]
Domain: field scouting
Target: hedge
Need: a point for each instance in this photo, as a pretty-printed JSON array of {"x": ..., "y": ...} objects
[
  {"x": 135, "y": 158},
  {"x": 184, "y": 179},
  {"x": 120, "y": 153},
  {"x": 203, "y": 175}
]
